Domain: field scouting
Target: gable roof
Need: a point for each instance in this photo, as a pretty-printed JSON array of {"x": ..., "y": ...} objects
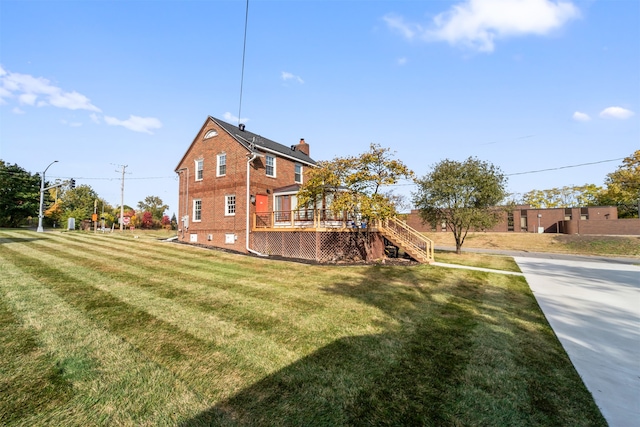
[{"x": 247, "y": 138}]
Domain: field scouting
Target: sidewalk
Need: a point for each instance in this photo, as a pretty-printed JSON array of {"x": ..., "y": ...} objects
[
  {"x": 546, "y": 255},
  {"x": 594, "y": 310},
  {"x": 466, "y": 267}
]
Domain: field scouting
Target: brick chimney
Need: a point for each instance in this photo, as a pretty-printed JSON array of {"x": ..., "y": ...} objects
[{"x": 302, "y": 147}]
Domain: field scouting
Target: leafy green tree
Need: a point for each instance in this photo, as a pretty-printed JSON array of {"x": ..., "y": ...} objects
[
  {"x": 354, "y": 184},
  {"x": 78, "y": 203},
  {"x": 462, "y": 195},
  {"x": 564, "y": 197},
  {"x": 623, "y": 187},
  {"x": 19, "y": 195},
  {"x": 154, "y": 205}
]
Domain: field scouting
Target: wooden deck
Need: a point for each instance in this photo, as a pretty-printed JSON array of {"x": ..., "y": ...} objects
[{"x": 397, "y": 232}]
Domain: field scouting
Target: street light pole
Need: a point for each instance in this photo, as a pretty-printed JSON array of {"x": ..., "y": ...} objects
[{"x": 40, "y": 216}]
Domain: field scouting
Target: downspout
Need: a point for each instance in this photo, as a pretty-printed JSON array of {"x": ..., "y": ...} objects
[
  {"x": 254, "y": 155},
  {"x": 186, "y": 202}
]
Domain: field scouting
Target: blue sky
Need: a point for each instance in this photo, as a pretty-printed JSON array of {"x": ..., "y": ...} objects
[{"x": 527, "y": 85}]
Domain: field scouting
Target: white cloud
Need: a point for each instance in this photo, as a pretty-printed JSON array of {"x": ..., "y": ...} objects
[
  {"x": 477, "y": 24},
  {"x": 72, "y": 101},
  {"x": 27, "y": 98},
  {"x": 616, "y": 113},
  {"x": 401, "y": 61},
  {"x": 135, "y": 123},
  {"x": 39, "y": 91},
  {"x": 71, "y": 124},
  {"x": 581, "y": 117},
  {"x": 233, "y": 119},
  {"x": 288, "y": 76},
  {"x": 406, "y": 29}
]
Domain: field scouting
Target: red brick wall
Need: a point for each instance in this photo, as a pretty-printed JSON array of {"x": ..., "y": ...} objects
[
  {"x": 211, "y": 190},
  {"x": 551, "y": 220},
  {"x": 620, "y": 227}
]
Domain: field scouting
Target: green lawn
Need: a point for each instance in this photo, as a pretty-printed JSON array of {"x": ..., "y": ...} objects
[{"x": 111, "y": 330}]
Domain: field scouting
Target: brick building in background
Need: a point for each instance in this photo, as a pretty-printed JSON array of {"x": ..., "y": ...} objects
[
  {"x": 524, "y": 218},
  {"x": 229, "y": 173}
]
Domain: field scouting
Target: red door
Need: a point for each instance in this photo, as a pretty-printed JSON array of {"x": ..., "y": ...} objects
[{"x": 262, "y": 203}]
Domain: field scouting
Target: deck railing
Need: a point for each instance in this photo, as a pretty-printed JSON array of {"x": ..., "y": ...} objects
[
  {"x": 411, "y": 240},
  {"x": 305, "y": 218}
]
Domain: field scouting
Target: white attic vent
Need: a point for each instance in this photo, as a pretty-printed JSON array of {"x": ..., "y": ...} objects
[{"x": 210, "y": 134}]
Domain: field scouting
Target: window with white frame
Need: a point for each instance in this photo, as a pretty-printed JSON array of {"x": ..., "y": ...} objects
[
  {"x": 210, "y": 134},
  {"x": 270, "y": 162},
  {"x": 199, "y": 169},
  {"x": 297, "y": 173},
  {"x": 197, "y": 209},
  {"x": 222, "y": 165},
  {"x": 230, "y": 205}
]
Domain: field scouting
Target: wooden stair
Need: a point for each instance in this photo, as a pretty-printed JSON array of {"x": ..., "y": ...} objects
[{"x": 412, "y": 242}]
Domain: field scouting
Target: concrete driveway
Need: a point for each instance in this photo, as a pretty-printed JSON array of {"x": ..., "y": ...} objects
[{"x": 594, "y": 309}]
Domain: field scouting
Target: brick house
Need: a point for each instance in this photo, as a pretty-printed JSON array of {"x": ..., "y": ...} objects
[
  {"x": 229, "y": 173},
  {"x": 238, "y": 191}
]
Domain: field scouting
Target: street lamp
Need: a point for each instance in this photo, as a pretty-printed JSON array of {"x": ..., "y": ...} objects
[{"x": 40, "y": 216}]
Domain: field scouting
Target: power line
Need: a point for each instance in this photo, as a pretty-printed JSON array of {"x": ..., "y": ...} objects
[
  {"x": 244, "y": 50},
  {"x": 536, "y": 171},
  {"x": 564, "y": 167}
]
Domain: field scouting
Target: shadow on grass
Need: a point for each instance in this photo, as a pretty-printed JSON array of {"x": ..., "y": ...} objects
[
  {"x": 405, "y": 376},
  {"x": 5, "y": 240}
]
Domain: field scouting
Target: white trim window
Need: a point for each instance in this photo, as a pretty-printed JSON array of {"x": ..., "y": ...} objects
[
  {"x": 210, "y": 134},
  {"x": 197, "y": 210},
  {"x": 230, "y": 205},
  {"x": 199, "y": 169},
  {"x": 297, "y": 173},
  {"x": 270, "y": 166},
  {"x": 221, "y": 169}
]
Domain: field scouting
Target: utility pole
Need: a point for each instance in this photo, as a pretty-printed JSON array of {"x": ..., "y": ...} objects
[
  {"x": 122, "y": 197},
  {"x": 42, "y": 190}
]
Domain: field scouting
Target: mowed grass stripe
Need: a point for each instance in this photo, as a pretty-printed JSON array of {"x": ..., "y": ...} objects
[
  {"x": 491, "y": 387},
  {"x": 203, "y": 364},
  {"x": 91, "y": 376},
  {"x": 237, "y": 342},
  {"x": 29, "y": 379},
  {"x": 440, "y": 339},
  {"x": 248, "y": 272},
  {"x": 203, "y": 324},
  {"x": 282, "y": 321}
]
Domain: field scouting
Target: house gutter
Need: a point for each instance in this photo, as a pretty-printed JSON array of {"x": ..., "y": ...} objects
[
  {"x": 254, "y": 155},
  {"x": 186, "y": 203}
]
